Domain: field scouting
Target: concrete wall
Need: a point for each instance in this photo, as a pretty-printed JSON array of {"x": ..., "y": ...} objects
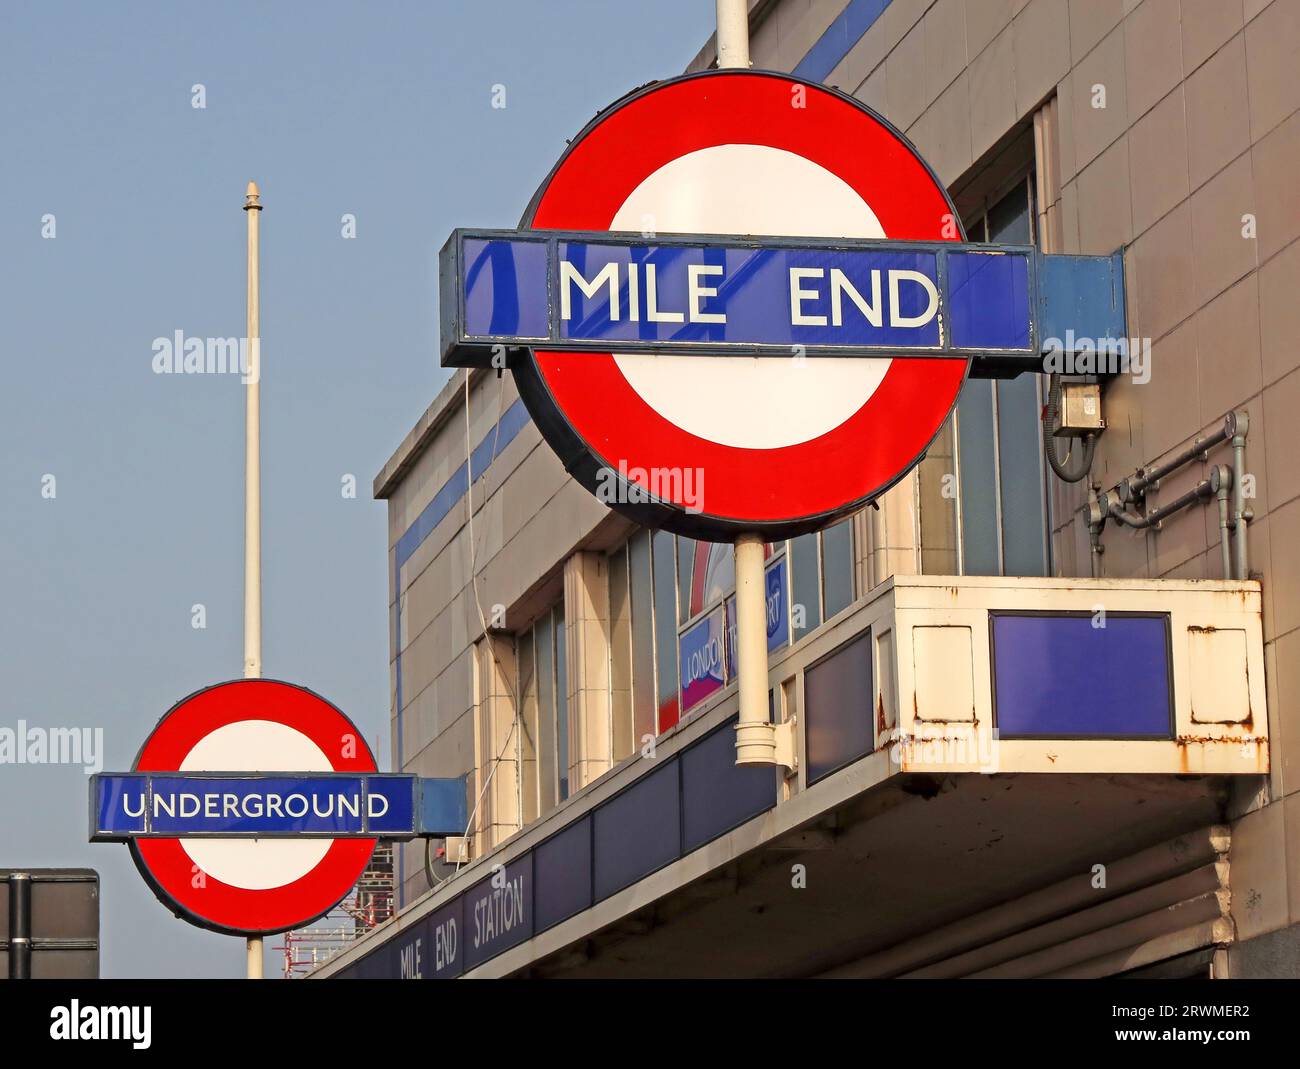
[{"x": 528, "y": 517}]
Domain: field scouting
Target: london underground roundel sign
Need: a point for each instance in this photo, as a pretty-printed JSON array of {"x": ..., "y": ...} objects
[
  {"x": 708, "y": 445},
  {"x": 244, "y": 885}
]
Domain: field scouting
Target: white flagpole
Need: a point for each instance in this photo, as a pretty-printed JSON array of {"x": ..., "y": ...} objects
[{"x": 253, "y": 491}]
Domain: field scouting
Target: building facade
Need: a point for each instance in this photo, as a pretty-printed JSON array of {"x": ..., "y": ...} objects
[{"x": 577, "y": 669}]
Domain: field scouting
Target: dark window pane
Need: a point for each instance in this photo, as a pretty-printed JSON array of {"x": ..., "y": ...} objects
[
  {"x": 528, "y": 727},
  {"x": 643, "y": 649},
  {"x": 805, "y": 605},
  {"x": 1008, "y": 219},
  {"x": 837, "y": 695},
  {"x": 561, "y": 705},
  {"x": 665, "y": 584},
  {"x": 979, "y": 523},
  {"x": 637, "y": 831},
  {"x": 837, "y": 567},
  {"x": 1024, "y": 541},
  {"x": 544, "y": 645},
  {"x": 620, "y": 655},
  {"x": 685, "y": 572}
]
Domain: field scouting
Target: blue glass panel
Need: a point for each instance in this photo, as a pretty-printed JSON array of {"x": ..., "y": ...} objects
[
  {"x": 562, "y": 874},
  {"x": 637, "y": 831},
  {"x": 1061, "y": 676},
  {"x": 718, "y": 794},
  {"x": 988, "y": 295},
  {"x": 505, "y": 288}
]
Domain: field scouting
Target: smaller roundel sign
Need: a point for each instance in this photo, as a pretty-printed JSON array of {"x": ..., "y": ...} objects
[
  {"x": 716, "y": 445},
  {"x": 250, "y": 886}
]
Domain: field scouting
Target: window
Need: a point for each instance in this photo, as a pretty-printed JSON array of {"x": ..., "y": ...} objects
[
  {"x": 528, "y": 729},
  {"x": 622, "y": 740},
  {"x": 643, "y": 649},
  {"x": 665, "y": 627},
  {"x": 837, "y": 567},
  {"x": 543, "y": 716},
  {"x": 672, "y": 618},
  {"x": 1002, "y": 480},
  {"x": 821, "y": 569},
  {"x": 806, "y": 603}
]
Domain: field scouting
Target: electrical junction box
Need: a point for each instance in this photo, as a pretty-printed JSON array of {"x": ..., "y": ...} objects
[
  {"x": 456, "y": 850},
  {"x": 1080, "y": 410}
]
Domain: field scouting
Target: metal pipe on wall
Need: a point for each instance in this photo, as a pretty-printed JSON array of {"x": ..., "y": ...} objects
[
  {"x": 1234, "y": 514},
  {"x": 1240, "y": 514},
  {"x": 1226, "y": 484},
  {"x": 1145, "y": 478}
]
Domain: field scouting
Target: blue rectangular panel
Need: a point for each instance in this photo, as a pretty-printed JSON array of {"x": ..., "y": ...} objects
[
  {"x": 837, "y": 693},
  {"x": 427, "y": 950},
  {"x": 717, "y": 794},
  {"x": 505, "y": 288},
  {"x": 1059, "y": 676},
  {"x": 637, "y": 831},
  {"x": 700, "y": 651},
  {"x": 562, "y": 875},
  {"x": 391, "y": 808},
  {"x": 139, "y": 804},
  {"x": 444, "y": 808},
  {"x": 499, "y": 912},
  {"x": 444, "y": 932},
  {"x": 377, "y": 965},
  {"x": 1081, "y": 296},
  {"x": 988, "y": 294},
  {"x": 769, "y": 296},
  {"x": 118, "y": 805},
  {"x": 796, "y": 297},
  {"x": 409, "y": 958},
  {"x": 778, "y": 615}
]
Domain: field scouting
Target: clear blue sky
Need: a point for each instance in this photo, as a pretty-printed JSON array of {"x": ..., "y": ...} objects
[{"x": 382, "y": 110}]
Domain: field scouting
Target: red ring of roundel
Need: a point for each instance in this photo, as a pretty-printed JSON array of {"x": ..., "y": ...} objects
[
  {"x": 888, "y": 434},
  {"x": 171, "y": 870}
]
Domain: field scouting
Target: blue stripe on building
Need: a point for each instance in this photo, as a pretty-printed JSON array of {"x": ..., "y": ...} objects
[
  {"x": 447, "y": 498},
  {"x": 841, "y": 35}
]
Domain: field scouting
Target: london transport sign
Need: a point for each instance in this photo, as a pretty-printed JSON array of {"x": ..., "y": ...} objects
[
  {"x": 255, "y": 805},
  {"x": 653, "y": 330}
]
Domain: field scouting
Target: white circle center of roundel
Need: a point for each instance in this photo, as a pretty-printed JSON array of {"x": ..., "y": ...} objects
[
  {"x": 256, "y": 746},
  {"x": 759, "y": 402}
]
